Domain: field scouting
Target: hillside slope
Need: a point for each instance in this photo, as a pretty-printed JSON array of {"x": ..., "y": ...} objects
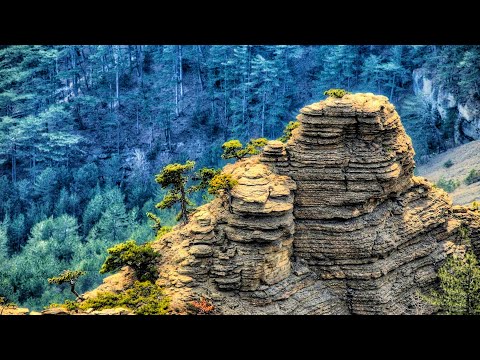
[{"x": 465, "y": 158}]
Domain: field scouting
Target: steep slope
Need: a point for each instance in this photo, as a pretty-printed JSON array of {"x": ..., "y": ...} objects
[
  {"x": 333, "y": 222},
  {"x": 464, "y": 158}
]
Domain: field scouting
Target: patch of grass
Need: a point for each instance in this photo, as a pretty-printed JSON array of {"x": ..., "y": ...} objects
[
  {"x": 448, "y": 164},
  {"x": 448, "y": 185}
]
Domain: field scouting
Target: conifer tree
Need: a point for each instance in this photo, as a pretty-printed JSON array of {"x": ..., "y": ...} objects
[
  {"x": 175, "y": 176},
  {"x": 459, "y": 292},
  {"x": 223, "y": 182},
  {"x": 70, "y": 277}
]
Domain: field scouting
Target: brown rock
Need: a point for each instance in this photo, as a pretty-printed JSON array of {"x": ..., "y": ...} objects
[{"x": 332, "y": 222}]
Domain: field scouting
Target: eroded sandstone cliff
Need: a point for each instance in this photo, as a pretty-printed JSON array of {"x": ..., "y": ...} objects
[{"x": 333, "y": 222}]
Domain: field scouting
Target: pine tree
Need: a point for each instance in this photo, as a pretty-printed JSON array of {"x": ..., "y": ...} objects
[
  {"x": 223, "y": 183},
  {"x": 459, "y": 292},
  {"x": 113, "y": 224},
  {"x": 70, "y": 277},
  {"x": 175, "y": 176}
]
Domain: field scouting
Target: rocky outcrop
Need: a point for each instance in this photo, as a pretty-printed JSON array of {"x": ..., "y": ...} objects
[
  {"x": 333, "y": 222},
  {"x": 465, "y": 116}
]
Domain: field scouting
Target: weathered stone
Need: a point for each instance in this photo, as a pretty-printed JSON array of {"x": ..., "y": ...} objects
[
  {"x": 332, "y": 222},
  {"x": 201, "y": 250}
]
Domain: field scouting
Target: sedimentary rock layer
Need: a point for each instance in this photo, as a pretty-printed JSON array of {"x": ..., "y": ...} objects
[{"x": 333, "y": 222}]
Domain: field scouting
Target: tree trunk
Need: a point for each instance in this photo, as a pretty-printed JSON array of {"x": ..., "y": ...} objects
[
  {"x": 140, "y": 64},
  {"x": 138, "y": 125},
  {"x": 180, "y": 70},
  {"x": 177, "y": 112},
  {"x": 393, "y": 87},
  {"x": 263, "y": 113},
  {"x": 183, "y": 202},
  {"x": 118, "y": 133},
  {"x": 199, "y": 70},
  {"x": 72, "y": 289},
  {"x": 14, "y": 163}
]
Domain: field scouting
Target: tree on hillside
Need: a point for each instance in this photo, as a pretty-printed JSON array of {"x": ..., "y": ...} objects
[
  {"x": 459, "y": 292},
  {"x": 69, "y": 277},
  {"x": 141, "y": 258},
  {"x": 175, "y": 176}
]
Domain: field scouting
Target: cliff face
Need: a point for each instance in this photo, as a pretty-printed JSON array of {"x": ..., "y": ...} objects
[
  {"x": 333, "y": 222},
  {"x": 465, "y": 116}
]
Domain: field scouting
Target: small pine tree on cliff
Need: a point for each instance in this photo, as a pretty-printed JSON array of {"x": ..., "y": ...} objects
[
  {"x": 337, "y": 93},
  {"x": 287, "y": 132},
  {"x": 459, "y": 292},
  {"x": 68, "y": 276},
  {"x": 175, "y": 176},
  {"x": 234, "y": 148},
  {"x": 204, "y": 175},
  {"x": 141, "y": 258},
  {"x": 157, "y": 224},
  {"x": 225, "y": 183}
]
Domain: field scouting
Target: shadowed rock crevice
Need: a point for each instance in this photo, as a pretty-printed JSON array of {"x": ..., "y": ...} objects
[{"x": 333, "y": 222}]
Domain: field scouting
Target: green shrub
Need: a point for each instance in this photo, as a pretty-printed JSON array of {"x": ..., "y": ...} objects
[
  {"x": 472, "y": 177},
  {"x": 448, "y": 164},
  {"x": 448, "y": 185},
  {"x": 144, "y": 298},
  {"x": 337, "y": 93},
  {"x": 287, "y": 132},
  {"x": 141, "y": 258},
  {"x": 234, "y": 148}
]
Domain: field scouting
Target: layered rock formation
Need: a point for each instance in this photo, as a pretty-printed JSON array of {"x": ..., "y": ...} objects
[{"x": 333, "y": 222}]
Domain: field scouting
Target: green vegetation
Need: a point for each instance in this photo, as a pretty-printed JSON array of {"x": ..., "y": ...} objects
[
  {"x": 143, "y": 298},
  {"x": 157, "y": 225},
  {"x": 84, "y": 127},
  {"x": 141, "y": 258},
  {"x": 234, "y": 148},
  {"x": 459, "y": 292},
  {"x": 472, "y": 177},
  {"x": 448, "y": 185},
  {"x": 448, "y": 164},
  {"x": 223, "y": 182},
  {"x": 337, "y": 93},
  {"x": 287, "y": 132},
  {"x": 175, "y": 176},
  {"x": 475, "y": 206},
  {"x": 205, "y": 175},
  {"x": 70, "y": 277}
]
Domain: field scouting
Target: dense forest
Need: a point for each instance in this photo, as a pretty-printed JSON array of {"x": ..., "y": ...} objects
[{"x": 84, "y": 129}]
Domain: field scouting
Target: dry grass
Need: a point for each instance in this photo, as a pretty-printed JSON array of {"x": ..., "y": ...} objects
[{"x": 465, "y": 158}]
